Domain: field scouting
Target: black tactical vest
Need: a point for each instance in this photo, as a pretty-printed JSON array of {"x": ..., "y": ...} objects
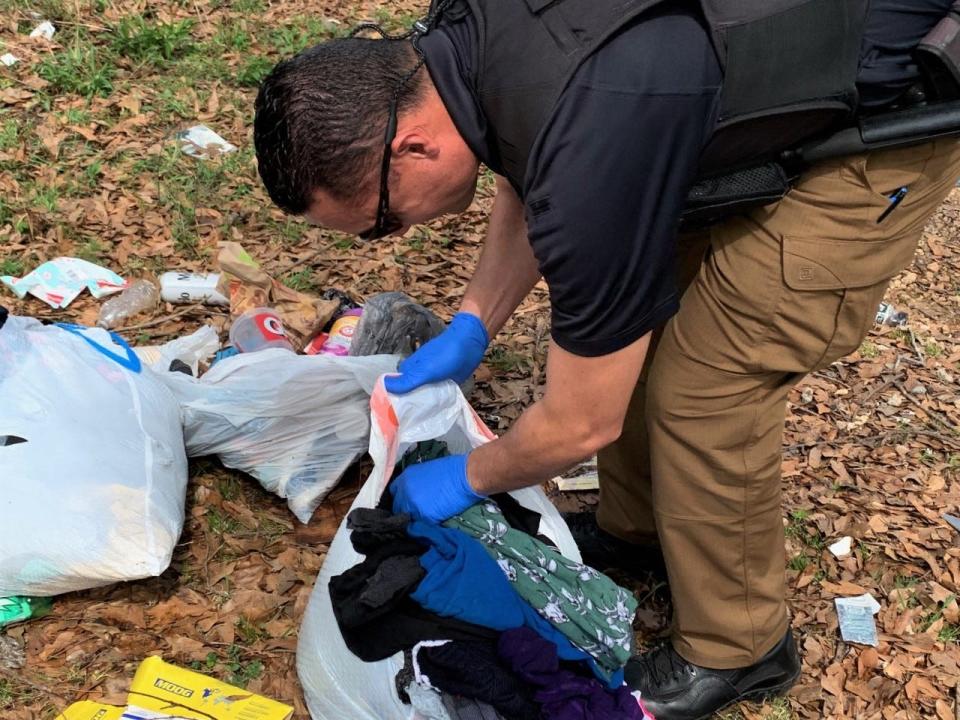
[{"x": 790, "y": 69}]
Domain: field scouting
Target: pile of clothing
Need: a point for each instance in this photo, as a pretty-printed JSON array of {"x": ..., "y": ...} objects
[{"x": 492, "y": 620}]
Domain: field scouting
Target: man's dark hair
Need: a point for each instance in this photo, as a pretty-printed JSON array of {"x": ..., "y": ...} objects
[{"x": 321, "y": 117}]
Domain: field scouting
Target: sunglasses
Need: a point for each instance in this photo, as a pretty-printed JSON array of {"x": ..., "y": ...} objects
[{"x": 386, "y": 223}]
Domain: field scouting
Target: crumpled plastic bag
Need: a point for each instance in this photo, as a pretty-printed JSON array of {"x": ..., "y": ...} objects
[
  {"x": 336, "y": 683},
  {"x": 294, "y": 422},
  {"x": 393, "y": 323},
  {"x": 93, "y": 484}
]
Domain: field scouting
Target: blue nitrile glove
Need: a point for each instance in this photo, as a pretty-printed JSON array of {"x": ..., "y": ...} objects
[
  {"x": 434, "y": 490},
  {"x": 452, "y": 355}
]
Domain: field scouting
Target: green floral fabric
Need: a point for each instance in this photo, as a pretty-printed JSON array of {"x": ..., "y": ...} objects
[{"x": 588, "y": 607}]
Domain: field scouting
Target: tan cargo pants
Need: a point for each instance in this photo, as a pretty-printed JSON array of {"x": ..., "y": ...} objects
[{"x": 779, "y": 293}]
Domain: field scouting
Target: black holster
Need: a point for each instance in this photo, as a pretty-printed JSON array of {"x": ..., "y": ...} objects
[{"x": 937, "y": 114}]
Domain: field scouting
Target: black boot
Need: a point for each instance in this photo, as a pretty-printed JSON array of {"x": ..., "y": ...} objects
[
  {"x": 603, "y": 551},
  {"x": 673, "y": 689}
]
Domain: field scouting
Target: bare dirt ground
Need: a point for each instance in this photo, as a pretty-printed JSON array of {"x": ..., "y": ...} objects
[{"x": 87, "y": 168}]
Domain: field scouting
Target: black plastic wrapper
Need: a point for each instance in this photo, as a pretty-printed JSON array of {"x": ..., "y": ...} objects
[{"x": 394, "y": 324}]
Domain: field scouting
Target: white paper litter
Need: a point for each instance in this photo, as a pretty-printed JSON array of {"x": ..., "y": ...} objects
[
  {"x": 200, "y": 141},
  {"x": 856, "y": 619},
  {"x": 9, "y": 59},
  {"x": 590, "y": 481},
  {"x": 842, "y": 547},
  {"x": 58, "y": 282},
  {"x": 952, "y": 521},
  {"x": 44, "y": 30}
]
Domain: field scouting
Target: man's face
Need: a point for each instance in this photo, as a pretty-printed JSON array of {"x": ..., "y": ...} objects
[{"x": 423, "y": 186}]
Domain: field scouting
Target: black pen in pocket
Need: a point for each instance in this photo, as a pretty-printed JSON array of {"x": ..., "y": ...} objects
[{"x": 895, "y": 199}]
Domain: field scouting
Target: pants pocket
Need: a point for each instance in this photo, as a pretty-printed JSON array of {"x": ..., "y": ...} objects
[{"x": 835, "y": 287}]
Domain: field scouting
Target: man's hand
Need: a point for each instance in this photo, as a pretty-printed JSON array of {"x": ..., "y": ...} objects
[
  {"x": 453, "y": 355},
  {"x": 434, "y": 490}
]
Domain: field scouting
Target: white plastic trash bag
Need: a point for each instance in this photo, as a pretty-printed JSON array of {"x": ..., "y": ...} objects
[
  {"x": 336, "y": 683},
  {"x": 294, "y": 422},
  {"x": 93, "y": 473}
]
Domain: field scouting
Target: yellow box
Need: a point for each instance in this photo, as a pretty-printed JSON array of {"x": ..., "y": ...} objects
[
  {"x": 88, "y": 710},
  {"x": 159, "y": 686}
]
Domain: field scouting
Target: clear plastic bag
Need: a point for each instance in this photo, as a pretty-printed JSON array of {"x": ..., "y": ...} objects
[
  {"x": 93, "y": 473},
  {"x": 336, "y": 683},
  {"x": 294, "y": 422}
]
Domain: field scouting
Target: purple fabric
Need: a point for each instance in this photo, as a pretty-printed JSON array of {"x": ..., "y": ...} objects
[{"x": 563, "y": 694}]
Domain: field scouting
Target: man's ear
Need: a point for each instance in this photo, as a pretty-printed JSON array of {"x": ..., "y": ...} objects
[{"x": 415, "y": 144}]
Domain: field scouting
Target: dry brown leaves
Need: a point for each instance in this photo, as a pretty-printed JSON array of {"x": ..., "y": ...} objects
[{"x": 872, "y": 447}]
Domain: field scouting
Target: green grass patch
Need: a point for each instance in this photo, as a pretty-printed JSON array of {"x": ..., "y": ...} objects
[
  {"x": 233, "y": 36},
  {"x": 11, "y": 266},
  {"x": 254, "y": 70},
  {"x": 301, "y": 280},
  {"x": 9, "y": 134},
  {"x": 868, "y": 350},
  {"x": 302, "y": 32},
  {"x": 222, "y": 524},
  {"x": 80, "y": 69},
  {"x": 91, "y": 251},
  {"x": 151, "y": 43},
  {"x": 506, "y": 361}
]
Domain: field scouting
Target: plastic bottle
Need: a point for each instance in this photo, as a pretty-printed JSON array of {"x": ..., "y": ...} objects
[
  {"x": 887, "y": 314},
  {"x": 17, "y": 609},
  {"x": 259, "y": 329},
  {"x": 341, "y": 334},
  {"x": 185, "y": 287},
  {"x": 139, "y": 297}
]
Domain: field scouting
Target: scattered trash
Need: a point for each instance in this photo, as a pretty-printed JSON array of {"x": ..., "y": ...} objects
[
  {"x": 89, "y": 710},
  {"x": 17, "y": 609},
  {"x": 249, "y": 287},
  {"x": 393, "y": 323},
  {"x": 9, "y": 59},
  {"x": 201, "y": 142},
  {"x": 167, "y": 689},
  {"x": 44, "y": 30},
  {"x": 223, "y": 354},
  {"x": 140, "y": 296},
  {"x": 259, "y": 329},
  {"x": 294, "y": 422},
  {"x": 346, "y": 302},
  {"x": 341, "y": 334},
  {"x": 313, "y": 347},
  {"x": 12, "y": 654},
  {"x": 58, "y": 282},
  {"x": 190, "y": 350},
  {"x": 887, "y": 314},
  {"x": 842, "y": 547},
  {"x": 856, "y": 619},
  {"x": 952, "y": 521},
  {"x": 184, "y": 287},
  {"x": 96, "y": 495},
  {"x": 161, "y": 691},
  {"x": 590, "y": 481}
]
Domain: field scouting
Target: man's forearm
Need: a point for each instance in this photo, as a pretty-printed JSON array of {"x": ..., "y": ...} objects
[
  {"x": 507, "y": 269},
  {"x": 536, "y": 448},
  {"x": 582, "y": 411}
]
